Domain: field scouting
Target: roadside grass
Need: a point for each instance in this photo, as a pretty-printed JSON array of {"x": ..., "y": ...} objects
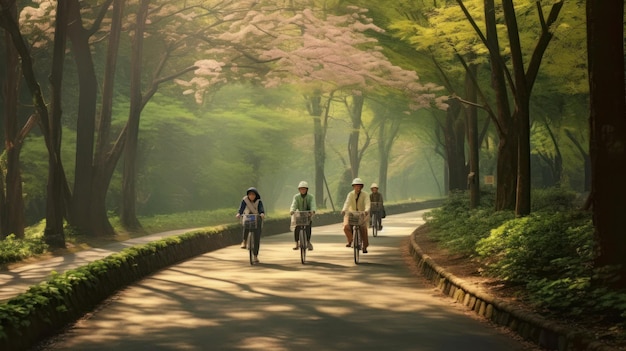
[{"x": 33, "y": 247}]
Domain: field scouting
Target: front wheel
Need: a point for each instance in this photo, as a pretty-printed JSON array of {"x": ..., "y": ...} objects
[
  {"x": 251, "y": 247},
  {"x": 374, "y": 224},
  {"x": 356, "y": 235},
  {"x": 303, "y": 245}
]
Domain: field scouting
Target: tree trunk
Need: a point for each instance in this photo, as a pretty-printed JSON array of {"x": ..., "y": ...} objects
[
  {"x": 605, "y": 43},
  {"x": 386, "y": 139},
  {"x": 129, "y": 177},
  {"x": 506, "y": 168},
  {"x": 506, "y": 172},
  {"x": 454, "y": 132},
  {"x": 354, "y": 155},
  {"x": 106, "y": 158},
  {"x": 472, "y": 137},
  {"x": 315, "y": 108},
  {"x": 56, "y": 206},
  {"x": 51, "y": 129},
  {"x": 524, "y": 81},
  {"x": 12, "y": 218},
  {"x": 85, "y": 125}
]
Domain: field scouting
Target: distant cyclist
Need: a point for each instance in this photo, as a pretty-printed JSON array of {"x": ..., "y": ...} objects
[
  {"x": 357, "y": 200},
  {"x": 252, "y": 204},
  {"x": 376, "y": 200},
  {"x": 303, "y": 201}
]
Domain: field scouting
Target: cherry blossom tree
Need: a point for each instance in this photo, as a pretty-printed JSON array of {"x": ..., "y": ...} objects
[{"x": 325, "y": 55}]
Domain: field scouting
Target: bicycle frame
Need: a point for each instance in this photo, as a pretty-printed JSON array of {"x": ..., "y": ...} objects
[
  {"x": 250, "y": 223},
  {"x": 356, "y": 219},
  {"x": 302, "y": 220}
]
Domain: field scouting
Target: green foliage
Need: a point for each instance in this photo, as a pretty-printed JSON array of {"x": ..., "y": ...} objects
[
  {"x": 549, "y": 252},
  {"x": 458, "y": 228},
  {"x": 541, "y": 245},
  {"x": 13, "y": 249},
  {"x": 553, "y": 199},
  {"x": 192, "y": 219}
]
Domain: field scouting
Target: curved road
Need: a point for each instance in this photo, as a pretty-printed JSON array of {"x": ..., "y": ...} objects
[{"x": 217, "y": 301}]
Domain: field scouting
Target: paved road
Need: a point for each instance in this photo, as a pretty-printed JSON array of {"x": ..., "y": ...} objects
[{"x": 217, "y": 301}]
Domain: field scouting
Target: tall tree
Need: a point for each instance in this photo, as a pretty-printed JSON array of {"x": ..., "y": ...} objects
[
  {"x": 607, "y": 145},
  {"x": 12, "y": 220},
  {"x": 49, "y": 121}
]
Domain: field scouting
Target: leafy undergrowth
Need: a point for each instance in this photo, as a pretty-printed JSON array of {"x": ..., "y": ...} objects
[{"x": 544, "y": 259}]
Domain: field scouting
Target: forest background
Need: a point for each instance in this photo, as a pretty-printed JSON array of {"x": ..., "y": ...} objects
[{"x": 153, "y": 107}]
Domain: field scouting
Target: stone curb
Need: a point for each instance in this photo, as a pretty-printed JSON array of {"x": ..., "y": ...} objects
[{"x": 532, "y": 327}]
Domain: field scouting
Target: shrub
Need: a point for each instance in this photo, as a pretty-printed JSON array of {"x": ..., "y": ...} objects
[{"x": 541, "y": 245}]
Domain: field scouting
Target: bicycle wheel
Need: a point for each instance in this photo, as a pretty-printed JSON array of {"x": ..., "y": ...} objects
[
  {"x": 303, "y": 244},
  {"x": 374, "y": 224},
  {"x": 356, "y": 237},
  {"x": 251, "y": 247}
]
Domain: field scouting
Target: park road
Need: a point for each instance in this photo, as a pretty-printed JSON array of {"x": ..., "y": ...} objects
[{"x": 218, "y": 301}]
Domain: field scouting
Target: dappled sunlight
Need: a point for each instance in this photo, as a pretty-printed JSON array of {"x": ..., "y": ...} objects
[{"x": 218, "y": 299}]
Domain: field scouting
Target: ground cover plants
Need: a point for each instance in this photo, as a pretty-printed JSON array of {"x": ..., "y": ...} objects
[{"x": 548, "y": 255}]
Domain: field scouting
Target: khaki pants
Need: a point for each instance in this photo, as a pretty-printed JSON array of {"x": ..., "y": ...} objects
[{"x": 347, "y": 229}]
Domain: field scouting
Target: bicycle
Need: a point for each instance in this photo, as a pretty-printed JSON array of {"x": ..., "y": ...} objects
[
  {"x": 249, "y": 223},
  {"x": 356, "y": 219},
  {"x": 302, "y": 220},
  {"x": 375, "y": 210}
]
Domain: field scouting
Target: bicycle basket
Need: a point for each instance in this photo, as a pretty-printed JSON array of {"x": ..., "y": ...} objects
[
  {"x": 355, "y": 218},
  {"x": 301, "y": 218},
  {"x": 249, "y": 221}
]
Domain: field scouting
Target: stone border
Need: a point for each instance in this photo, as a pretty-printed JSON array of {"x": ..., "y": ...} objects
[{"x": 532, "y": 327}]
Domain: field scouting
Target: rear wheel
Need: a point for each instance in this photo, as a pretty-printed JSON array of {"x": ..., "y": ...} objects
[
  {"x": 356, "y": 235},
  {"x": 251, "y": 247},
  {"x": 303, "y": 245}
]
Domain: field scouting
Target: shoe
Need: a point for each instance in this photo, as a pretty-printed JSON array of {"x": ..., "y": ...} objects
[
  {"x": 297, "y": 246},
  {"x": 256, "y": 259},
  {"x": 309, "y": 246},
  {"x": 380, "y": 227},
  {"x": 364, "y": 250},
  {"x": 349, "y": 244},
  {"x": 243, "y": 244}
]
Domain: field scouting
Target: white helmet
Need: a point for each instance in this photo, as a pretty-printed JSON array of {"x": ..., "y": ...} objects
[
  {"x": 357, "y": 181},
  {"x": 374, "y": 185},
  {"x": 303, "y": 184}
]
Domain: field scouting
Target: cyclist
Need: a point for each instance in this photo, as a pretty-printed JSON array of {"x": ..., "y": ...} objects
[
  {"x": 357, "y": 200},
  {"x": 303, "y": 201},
  {"x": 252, "y": 204},
  {"x": 376, "y": 197}
]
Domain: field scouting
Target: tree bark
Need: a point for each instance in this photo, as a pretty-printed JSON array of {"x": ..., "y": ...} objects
[
  {"x": 320, "y": 118},
  {"x": 56, "y": 206},
  {"x": 12, "y": 217},
  {"x": 354, "y": 155},
  {"x": 106, "y": 157},
  {"x": 128, "y": 216},
  {"x": 472, "y": 137},
  {"x": 85, "y": 123},
  {"x": 607, "y": 122},
  {"x": 454, "y": 133}
]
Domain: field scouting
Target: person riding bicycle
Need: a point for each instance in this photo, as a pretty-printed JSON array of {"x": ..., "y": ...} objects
[
  {"x": 377, "y": 198},
  {"x": 357, "y": 200},
  {"x": 252, "y": 204},
  {"x": 303, "y": 201}
]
